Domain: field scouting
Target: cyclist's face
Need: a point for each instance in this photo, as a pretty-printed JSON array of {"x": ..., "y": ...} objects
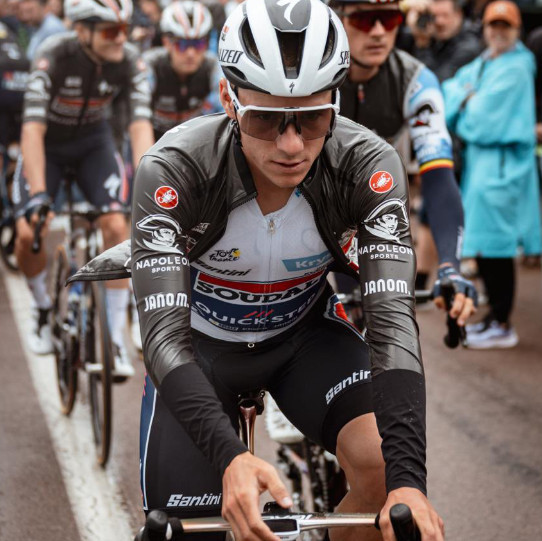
[
  {"x": 285, "y": 161},
  {"x": 107, "y": 40},
  {"x": 370, "y": 48},
  {"x": 184, "y": 60}
]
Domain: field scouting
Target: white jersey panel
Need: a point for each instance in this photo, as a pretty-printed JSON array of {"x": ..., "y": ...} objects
[{"x": 258, "y": 280}]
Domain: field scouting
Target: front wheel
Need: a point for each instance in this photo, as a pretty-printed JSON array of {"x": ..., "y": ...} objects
[
  {"x": 99, "y": 363},
  {"x": 7, "y": 242},
  {"x": 64, "y": 331}
]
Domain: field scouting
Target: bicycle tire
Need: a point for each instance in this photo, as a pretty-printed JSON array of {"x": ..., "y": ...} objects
[
  {"x": 7, "y": 243},
  {"x": 65, "y": 342},
  {"x": 100, "y": 383}
]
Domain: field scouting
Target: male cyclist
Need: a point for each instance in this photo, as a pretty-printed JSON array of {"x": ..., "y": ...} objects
[
  {"x": 237, "y": 219},
  {"x": 75, "y": 77},
  {"x": 389, "y": 92},
  {"x": 185, "y": 75}
]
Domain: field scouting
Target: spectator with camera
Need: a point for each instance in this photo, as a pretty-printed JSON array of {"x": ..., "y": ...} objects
[{"x": 443, "y": 40}]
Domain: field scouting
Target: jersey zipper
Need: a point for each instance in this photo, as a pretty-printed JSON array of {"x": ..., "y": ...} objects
[{"x": 271, "y": 230}]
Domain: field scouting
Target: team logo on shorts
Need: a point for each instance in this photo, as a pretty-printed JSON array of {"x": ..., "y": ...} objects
[
  {"x": 166, "y": 197},
  {"x": 381, "y": 182}
]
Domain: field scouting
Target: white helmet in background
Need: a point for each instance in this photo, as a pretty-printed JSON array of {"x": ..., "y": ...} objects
[
  {"x": 113, "y": 11},
  {"x": 284, "y": 47},
  {"x": 188, "y": 19}
]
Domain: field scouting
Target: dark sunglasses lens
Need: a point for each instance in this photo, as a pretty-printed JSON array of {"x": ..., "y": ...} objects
[
  {"x": 365, "y": 20},
  {"x": 184, "y": 44},
  {"x": 268, "y": 125},
  {"x": 112, "y": 32}
]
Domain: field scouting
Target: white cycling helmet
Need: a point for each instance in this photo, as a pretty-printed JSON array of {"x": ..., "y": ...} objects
[
  {"x": 284, "y": 47},
  {"x": 114, "y": 11},
  {"x": 188, "y": 19}
]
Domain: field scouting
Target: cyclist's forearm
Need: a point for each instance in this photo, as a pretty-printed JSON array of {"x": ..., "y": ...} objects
[
  {"x": 141, "y": 137},
  {"x": 445, "y": 213},
  {"x": 33, "y": 152}
]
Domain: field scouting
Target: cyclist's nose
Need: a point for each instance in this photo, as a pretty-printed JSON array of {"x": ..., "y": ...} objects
[
  {"x": 378, "y": 29},
  {"x": 289, "y": 140}
]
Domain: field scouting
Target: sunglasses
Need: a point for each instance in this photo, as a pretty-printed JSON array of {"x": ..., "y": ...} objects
[
  {"x": 183, "y": 44},
  {"x": 267, "y": 123},
  {"x": 365, "y": 20},
  {"x": 112, "y": 32}
]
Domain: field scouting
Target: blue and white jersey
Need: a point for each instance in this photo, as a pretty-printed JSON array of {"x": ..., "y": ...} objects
[
  {"x": 424, "y": 111},
  {"x": 258, "y": 280}
]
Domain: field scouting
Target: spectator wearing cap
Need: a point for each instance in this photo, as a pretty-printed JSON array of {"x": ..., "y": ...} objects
[
  {"x": 443, "y": 40},
  {"x": 490, "y": 105},
  {"x": 36, "y": 14}
]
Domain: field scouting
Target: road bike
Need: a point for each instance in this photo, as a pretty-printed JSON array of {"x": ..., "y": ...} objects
[
  {"x": 7, "y": 218},
  {"x": 80, "y": 330}
]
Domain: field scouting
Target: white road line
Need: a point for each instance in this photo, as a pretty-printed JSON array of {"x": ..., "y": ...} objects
[{"x": 98, "y": 507}]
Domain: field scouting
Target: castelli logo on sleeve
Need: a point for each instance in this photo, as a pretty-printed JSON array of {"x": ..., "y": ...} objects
[
  {"x": 381, "y": 182},
  {"x": 166, "y": 197}
]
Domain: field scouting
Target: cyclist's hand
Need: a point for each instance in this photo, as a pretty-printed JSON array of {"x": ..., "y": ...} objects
[
  {"x": 244, "y": 480},
  {"x": 465, "y": 295},
  {"x": 39, "y": 203},
  {"x": 426, "y": 518}
]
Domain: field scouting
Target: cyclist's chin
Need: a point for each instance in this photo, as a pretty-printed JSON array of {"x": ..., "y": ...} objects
[{"x": 113, "y": 54}]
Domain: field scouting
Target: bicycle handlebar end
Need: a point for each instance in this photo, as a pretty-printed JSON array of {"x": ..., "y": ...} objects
[
  {"x": 403, "y": 523},
  {"x": 155, "y": 528}
]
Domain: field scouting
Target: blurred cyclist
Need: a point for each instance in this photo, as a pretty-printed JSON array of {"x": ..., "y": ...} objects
[
  {"x": 74, "y": 79},
  {"x": 390, "y": 92},
  {"x": 185, "y": 75}
]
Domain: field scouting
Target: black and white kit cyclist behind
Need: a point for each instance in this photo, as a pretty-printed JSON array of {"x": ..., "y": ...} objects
[
  {"x": 237, "y": 218},
  {"x": 74, "y": 79}
]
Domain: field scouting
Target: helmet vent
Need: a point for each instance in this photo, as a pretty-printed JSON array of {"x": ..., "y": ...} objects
[
  {"x": 291, "y": 49},
  {"x": 331, "y": 42},
  {"x": 249, "y": 44}
]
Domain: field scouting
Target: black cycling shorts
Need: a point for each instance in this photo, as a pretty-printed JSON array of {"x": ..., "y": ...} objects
[
  {"x": 318, "y": 373},
  {"x": 99, "y": 171}
]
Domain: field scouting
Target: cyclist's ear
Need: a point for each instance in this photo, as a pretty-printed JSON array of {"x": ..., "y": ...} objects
[{"x": 225, "y": 99}]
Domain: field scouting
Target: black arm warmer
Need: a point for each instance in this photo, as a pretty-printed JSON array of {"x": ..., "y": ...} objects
[
  {"x": 399, "y": 401},
  {"x": 442, "y": 202},
  {"x": 191, "y": 399}
]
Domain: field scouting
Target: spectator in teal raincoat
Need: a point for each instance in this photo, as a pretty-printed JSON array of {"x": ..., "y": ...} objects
[{"x": 490, "y": 105}]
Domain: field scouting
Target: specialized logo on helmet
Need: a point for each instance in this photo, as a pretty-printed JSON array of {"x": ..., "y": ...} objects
[
  {"x": 291, "y": 5},
  {"x": 166, "y": 197},
  {"x": 381, "y": 182},
  {"x": 289, "y": 15}
]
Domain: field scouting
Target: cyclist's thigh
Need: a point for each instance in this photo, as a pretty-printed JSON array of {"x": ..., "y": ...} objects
[
  {"x": 20, "y": 191},
  {"x": 175, "y": 476},
  {"x": 101, "y": 175},
  {"x": 328, "y": 382}
]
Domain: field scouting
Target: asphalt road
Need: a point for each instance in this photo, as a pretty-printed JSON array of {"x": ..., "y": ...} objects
[{"x": 484, "y": 437}]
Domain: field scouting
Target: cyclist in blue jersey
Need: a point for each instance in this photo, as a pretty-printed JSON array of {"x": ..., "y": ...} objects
[{"x": 391, "y": 92}]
